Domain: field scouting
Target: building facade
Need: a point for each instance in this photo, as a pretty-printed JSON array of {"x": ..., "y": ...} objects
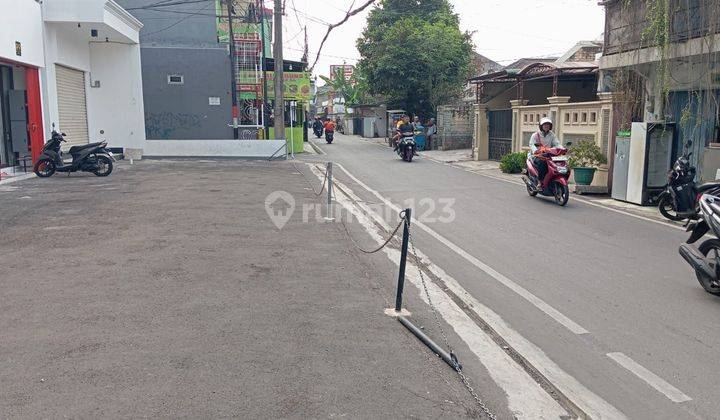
[{"x": 71, "y": 64}]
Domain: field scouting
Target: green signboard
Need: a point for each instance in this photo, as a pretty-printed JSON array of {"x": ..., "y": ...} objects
[{"x": 297, "y": 85}]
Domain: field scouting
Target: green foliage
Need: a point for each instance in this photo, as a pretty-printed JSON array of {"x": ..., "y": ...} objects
[
  {"x": 414, "y": 54},
  {"x": 353, "y": 91},
  {"x": 513, "y": 163},
  {"x": 586, "y": 154}
]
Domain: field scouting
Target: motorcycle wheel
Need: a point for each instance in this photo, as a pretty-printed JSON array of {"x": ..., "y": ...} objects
[
  {"x": 408, "y": 154},
  {"x": 711, "y": 249},
  {"x": 44, "y": 168},
  {"x": 561, "y": 194},
  {"x": 531, "y": 191},
  {"x": 667, "y": 208},
  {"x": 104, "y": 166}
]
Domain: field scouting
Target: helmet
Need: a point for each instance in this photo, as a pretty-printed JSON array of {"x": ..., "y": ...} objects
[{"x": 545, "y": 120}]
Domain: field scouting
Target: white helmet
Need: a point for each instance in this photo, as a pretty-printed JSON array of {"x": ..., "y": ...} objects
[{"x": 545, "y": 120}]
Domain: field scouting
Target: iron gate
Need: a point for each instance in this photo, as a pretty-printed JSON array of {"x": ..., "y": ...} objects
[{"x": 500, "y": 127}]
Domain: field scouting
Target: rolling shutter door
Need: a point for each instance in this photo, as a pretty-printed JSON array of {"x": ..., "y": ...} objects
[{"x": 72, "y": 108}]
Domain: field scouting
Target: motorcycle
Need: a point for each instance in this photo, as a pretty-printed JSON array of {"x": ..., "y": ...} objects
[
  {"x": 406, "y": 146},
  {"x": 705, "y": 259},
  {"x": 318, "y": 131},
  {"x": 329, "y": 136},
  {"x": 680, "y": 199},
  {"x": 93, "y": 157},
  {"x": 555, "y": 183}
]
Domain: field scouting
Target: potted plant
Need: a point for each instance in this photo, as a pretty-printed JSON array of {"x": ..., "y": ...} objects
[{"x": 584, "y": 159}]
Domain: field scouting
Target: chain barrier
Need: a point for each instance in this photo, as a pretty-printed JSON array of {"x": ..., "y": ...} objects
[
  {"x": 387, "y": 241},
  {"x": 457, "y": 367},
  {"x": 322, "y": 187}
]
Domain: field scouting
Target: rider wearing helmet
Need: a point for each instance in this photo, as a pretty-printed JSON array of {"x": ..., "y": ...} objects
[{"x": 543, "y": 137}]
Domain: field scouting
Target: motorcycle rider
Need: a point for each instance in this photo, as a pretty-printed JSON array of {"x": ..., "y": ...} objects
[
  {"x": 543, "y": 137},
  {"x": 403, "y": 126},
  {"x": 329, "y": 126},
  {"x": 317, "y": 125}
]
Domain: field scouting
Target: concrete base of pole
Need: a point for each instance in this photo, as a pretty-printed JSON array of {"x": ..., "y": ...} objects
[
  {"x": 393, "y": 313},
  {"x": 428, "y": 342}
]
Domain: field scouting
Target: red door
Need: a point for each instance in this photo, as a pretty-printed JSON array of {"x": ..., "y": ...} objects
[{"x": 34, "y": 110}]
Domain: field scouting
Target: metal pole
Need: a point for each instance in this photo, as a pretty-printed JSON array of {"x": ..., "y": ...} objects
[
  {"x": 330, "y": 191},
  {"x": 233, "y": 69},
  {"x": 266, "y": 129},
  {"x": 403, "y": 259},
  {"x": 279, "y": 74},
  {"x": 447, "y": 357}
]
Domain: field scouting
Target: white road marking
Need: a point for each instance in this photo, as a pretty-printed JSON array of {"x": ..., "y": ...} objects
[
  {"x": 526, "y": 294},
  {"x": 652, "y": 379},
  {"x": 526, "y": 399}
]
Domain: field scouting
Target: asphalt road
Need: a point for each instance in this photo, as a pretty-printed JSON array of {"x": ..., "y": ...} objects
[{"x": 651, "y": 334}]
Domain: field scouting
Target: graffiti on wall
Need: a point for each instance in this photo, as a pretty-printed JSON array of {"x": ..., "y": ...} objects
[{"x": 161, "y": 125}]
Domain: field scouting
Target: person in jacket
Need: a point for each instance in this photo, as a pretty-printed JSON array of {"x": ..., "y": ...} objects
[{"x": 544, "y": 137}]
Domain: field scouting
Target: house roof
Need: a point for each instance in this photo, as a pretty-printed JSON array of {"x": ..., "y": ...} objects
[{"x": 538, "y": 69}]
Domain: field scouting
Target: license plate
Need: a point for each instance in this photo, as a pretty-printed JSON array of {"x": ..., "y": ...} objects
[{"x": 559, "y": 158}]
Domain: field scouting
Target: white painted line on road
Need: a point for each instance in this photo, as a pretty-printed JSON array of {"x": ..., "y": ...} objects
[
  {"x": 316, "y": 147},
  {"x": 526, "y": 399},
  {"x": 526, "y": 294},
  {"x": 575, "y": 198},
  {"x": 652, "y": 379}
]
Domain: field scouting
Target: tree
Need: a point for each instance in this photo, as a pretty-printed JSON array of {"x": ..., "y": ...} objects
[
  {"x": 352, "y": 90},
  {"x": 414, "y": 54}
]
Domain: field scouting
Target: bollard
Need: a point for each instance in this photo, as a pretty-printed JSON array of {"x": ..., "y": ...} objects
[
  {"x": 403, "y": 259},
  {"x": 329, "y": 215}
]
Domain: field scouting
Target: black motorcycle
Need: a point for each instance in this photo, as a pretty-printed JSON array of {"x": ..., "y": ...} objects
[
  {"x": 318, "y": 130},
  {"x": 679, "y": 201},
  {"x": 406, "y": 146},
  {"x": 329, "y": 136},
  {"x": 93, "y": 157},
  {"x": 705, "y": 259}
]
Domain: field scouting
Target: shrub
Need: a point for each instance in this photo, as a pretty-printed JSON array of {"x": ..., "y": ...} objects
[
  {"x": 586, "y": 154},
  {"x": 513, "y": 163}
]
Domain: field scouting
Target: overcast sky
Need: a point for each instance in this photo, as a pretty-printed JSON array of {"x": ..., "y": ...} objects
[{"x": 504, "y": 30}]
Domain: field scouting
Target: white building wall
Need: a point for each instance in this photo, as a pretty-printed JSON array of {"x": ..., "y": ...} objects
[
  {"x": 67, "y": 45},
  {"x": 117, "y": 105},
  {"x": 21, "y": 21}
]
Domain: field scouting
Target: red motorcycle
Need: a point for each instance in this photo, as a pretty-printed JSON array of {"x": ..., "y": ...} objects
[{"x": 555, "y": 183}]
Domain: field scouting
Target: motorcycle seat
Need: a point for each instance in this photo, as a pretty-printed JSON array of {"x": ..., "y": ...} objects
[{"x": 75, "y": 149}]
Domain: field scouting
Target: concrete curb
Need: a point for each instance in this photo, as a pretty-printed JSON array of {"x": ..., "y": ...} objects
[{"x": 17, "y": 178}]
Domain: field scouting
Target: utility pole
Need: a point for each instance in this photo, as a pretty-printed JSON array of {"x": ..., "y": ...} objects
[
  {"x": 233, "y": 69},
  {"x": 265, "y": 119},
  {"x": 279, "y": 74}
]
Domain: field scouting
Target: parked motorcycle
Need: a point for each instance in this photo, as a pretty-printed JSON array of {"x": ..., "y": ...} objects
[
  {"x": 93, "y": 157},
  {"x": 555, "y": 183},
  {"x": 680, "y": 199},
  {"x": 406, "y": 146},
  {"x": 329, "y": 136},
  {"x": 705, "y": 259}
]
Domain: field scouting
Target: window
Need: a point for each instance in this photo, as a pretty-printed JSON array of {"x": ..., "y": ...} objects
[
  {"x": 567, "y": 118},
  {"x": 532, "y": 117},
  {"x": 593, "y": 117},
  {"x": 575, "y": 117},
  {"x": 525, "y": 119},
  {"x": 584, "y": 118},
  {"x": 175, "y": 79}
]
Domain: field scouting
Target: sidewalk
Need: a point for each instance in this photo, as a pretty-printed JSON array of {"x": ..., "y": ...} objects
[{"x": 184, "y": 300}]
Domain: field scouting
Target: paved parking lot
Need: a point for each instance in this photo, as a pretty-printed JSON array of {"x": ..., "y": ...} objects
[{"x": 164, "y": 290}]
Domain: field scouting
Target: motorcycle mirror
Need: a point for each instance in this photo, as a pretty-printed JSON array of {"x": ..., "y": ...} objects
[
  {"x": 63, "y": 134},
  {"x": 102, "y": 131},
  {"x": 568, "y": 144},
  {"x": 53, "y": 126}
]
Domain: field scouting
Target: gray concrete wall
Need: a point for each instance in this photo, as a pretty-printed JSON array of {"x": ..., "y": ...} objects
[
  {"x": 182, "y": 112},
  {"x": 183, "y": 44},
  {"x": 456, "y": 125}
]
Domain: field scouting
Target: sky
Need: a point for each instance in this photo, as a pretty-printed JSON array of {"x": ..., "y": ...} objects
[{"x": 503, "y": 30}]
